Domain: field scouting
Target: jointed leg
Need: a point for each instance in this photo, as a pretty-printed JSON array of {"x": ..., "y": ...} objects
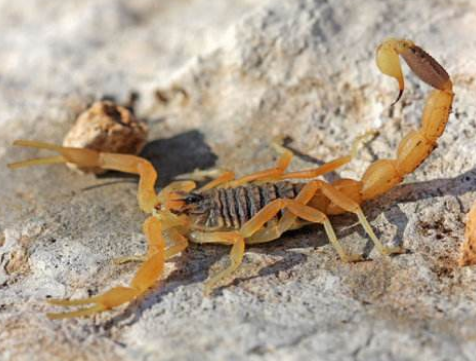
[
  {"x": 313, "y": 215},
  {"x": 250, "y": 230},
  {"x": 146, "y": 277},
  {"x": 219, "y": 176},
  {"x": 179, "y": 244},
  {"x": 225, "y": 177},
  {"x": 282, "y": 164},
  {"x": 278, "y": 172},
  {"x": 298, "y": 209},
  {"x": 82, "y": 157},
  {"x": 346, "y": 203},
  {"x": 275, "y": 230},
  {"x": 233, "y": 238},
  {"x": 332, "y": 165}
]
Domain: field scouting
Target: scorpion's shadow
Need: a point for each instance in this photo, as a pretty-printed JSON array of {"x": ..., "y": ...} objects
[
  {"x": 180, "y": 154},
  {"x": 171, "y": 157}
]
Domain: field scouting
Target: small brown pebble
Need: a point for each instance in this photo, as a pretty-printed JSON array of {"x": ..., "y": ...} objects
[
  {"x": 107, "y": 127},
  {"x": 468, "y": 248}
]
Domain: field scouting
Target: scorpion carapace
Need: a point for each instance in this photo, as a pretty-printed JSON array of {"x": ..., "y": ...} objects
[
  {"x": 230, "y": 208},
  {"x": 259, "y": 207}
]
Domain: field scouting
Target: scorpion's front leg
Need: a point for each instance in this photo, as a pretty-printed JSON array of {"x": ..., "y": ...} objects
[
  {"x": 152, "y": 268},
  {"x": 278, "y": 172},
  {"x": 227, "y": 178},
  {"x": 146, "y": 277},
  {"x": 232, "y": 238},
  {"x": 82, "y": 157}
]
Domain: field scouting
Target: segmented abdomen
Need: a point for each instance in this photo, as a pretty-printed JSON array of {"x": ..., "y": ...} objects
[{"x": 232, "y": 207}]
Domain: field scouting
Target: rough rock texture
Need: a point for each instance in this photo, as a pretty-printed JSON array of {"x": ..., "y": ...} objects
[
  {"x": 218, "y": 80},
  {"x": 107, "y": 127}
]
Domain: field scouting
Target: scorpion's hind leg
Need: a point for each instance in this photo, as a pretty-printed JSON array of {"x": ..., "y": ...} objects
[
  {"x": 298, "y": 208},
  {"x": 346, "y": 203},
  {"x": 146, "y": 277},
  {"x": 82, "y": 157},
  {"x": 252, "y": 231}
]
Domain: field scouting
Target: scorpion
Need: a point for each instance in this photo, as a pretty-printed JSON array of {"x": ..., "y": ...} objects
[{"x": 259, "y": 207}]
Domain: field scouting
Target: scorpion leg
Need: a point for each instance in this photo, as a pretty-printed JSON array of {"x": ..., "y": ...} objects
[
  {"x": 298, "y": 208},
  {"x": 146, "y": 277},
  {"x": 278, "y": 172},
  {"x": 275, "y": 230},
  {"x": 252, "y": 227},
  {"x": 82, "y": 157},
  {"x": 233, "y": 238},
  {"x": 179, "y": 244},
  {"x": 219, "y": 176},
  {"x": 332, "y": 165},
  {"x": 282, "y": 164},
  {"x": 225, "y": 177},
  {"x": 343, "y": 201}
]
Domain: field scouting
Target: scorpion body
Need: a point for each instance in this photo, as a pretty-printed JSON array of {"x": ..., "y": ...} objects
[
  {"x": 226, "y": 209},
  {"x": 261, "y": 206}
]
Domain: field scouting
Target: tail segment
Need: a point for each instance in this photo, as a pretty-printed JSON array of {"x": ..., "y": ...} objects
[{"x": 384, "y": 174}]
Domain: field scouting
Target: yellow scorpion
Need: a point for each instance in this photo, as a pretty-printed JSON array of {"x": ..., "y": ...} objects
[{"x": 261, "y": 206}]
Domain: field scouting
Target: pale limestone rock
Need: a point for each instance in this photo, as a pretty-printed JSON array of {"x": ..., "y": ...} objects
[{"x": 230, "y": 76}]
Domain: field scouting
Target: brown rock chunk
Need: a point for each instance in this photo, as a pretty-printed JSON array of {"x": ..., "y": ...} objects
[{"x": 107, "y": 127}]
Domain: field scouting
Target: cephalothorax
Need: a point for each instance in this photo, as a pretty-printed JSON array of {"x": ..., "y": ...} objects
[{"x": 260, "y": 207}]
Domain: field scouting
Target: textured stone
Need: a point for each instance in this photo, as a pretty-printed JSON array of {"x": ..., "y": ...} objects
[
  {"x": 107, "y": 127},
  {"x": 217, "y": 81}
]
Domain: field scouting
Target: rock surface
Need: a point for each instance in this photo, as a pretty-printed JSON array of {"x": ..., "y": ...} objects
[
  {"x": 217, "y": 82},
  {"x": 107, "y": 127}
]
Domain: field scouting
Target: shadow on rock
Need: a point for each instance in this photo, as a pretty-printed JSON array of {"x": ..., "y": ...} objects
[
  {"x": 180, "y": 154},
  {"x": 171, "y": 157}
]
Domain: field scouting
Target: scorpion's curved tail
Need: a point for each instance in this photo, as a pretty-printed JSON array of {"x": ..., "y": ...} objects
[{"x": 416, "y": 146}]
